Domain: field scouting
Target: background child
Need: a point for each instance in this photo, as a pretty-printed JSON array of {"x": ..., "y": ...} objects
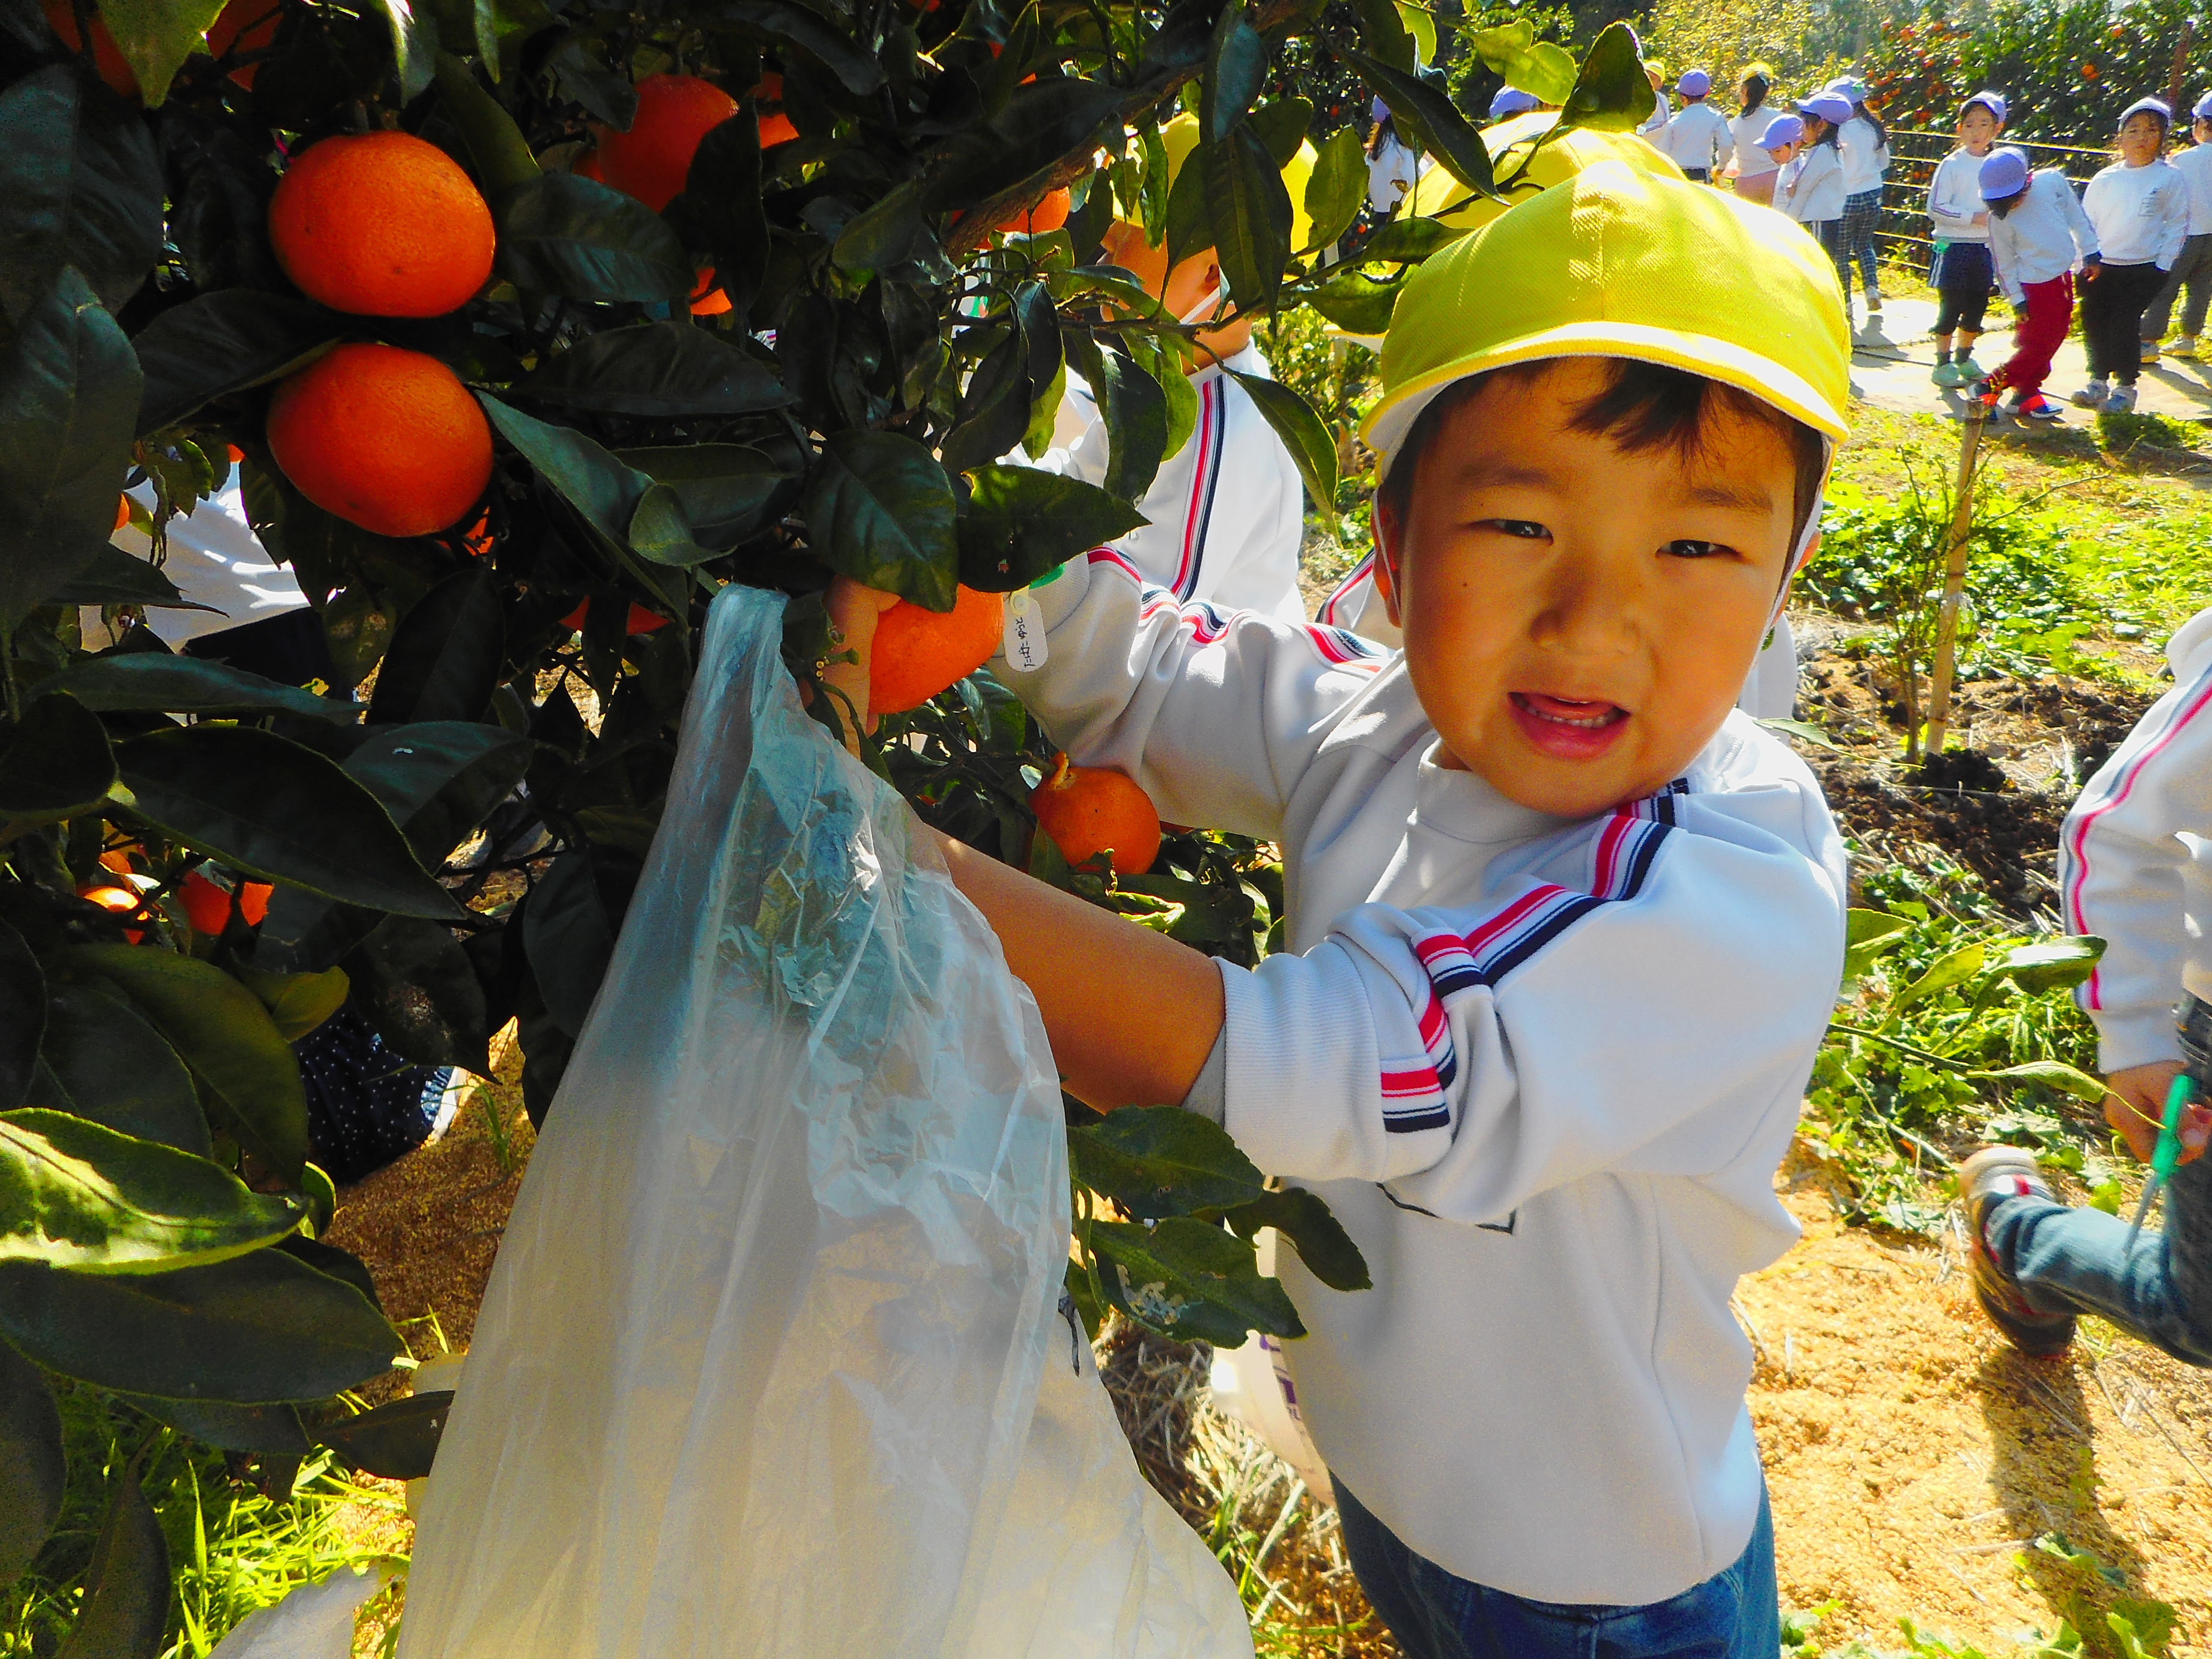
[
  {"x": 1862, "y": 143},
  {"x": 2140, "y": 207},
  {"x": 1508, "y": 101},
  {"x": 2125, "y": 875},
  {"x": 2037, "y": 229},
  {"x": 1963, "y": 276},
  {"x": 2194, "y": 268},
  {"x": 1697, "y": 138},
  {"x": 1755, "y": 170},
  {"x": 1662, "y": 110},
  {"x": 1535, "y": 1421},
  {"x": 1391, "y": 167},
  {"x": 1811, "y": 190}
]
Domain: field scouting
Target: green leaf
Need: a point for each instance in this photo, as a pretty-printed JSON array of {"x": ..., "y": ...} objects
[
  {"x": 1155, "y": 1161},
  {"x": 1249, "y": 208},
  {"x": 1511, "y": 50},
  {"x": 22, "y": 1017},
  {"x": 889, "y": 232},
  {"x": 274, "y": 1430},
  {"x": 79, "y": 185},
  {"x": 1408, "y": 241},
  {"x": 1869, "y": 934},
  {"x": 138, "y": 682},
  {"x": 1382, "y": 30},
  {"x": 1302, "y": 432},
  {"x": 445, "y": 657},
  {"x": 1804, "y": 732},
  {"x": 125, "y": 1610},
  {"x": 1041, "y": 123},
  {"x": 1190, "y": 213},
  {"x": 248, "y": 1076},
  {"x": 1134, "y": 410},
  {"x": 299, "y": 1003},
  {"x": 1352, "y": 300},
  {"x": 1020, "y": 522},
  {"x": 278, "y": 809},
  {"x": 54, "y": 763},
  {"x": 1953, "y": 969},
  {"x": 2052, "y": 964},
  {"x": 412, "y": 983},
  {"x": 1281, "y": 124},
  {"x": 254, "y": 1330},
  {"x": 801, "y": 28},
  {"x": 218, "y": 343},
  {"x": 76, "y": 1196},
  {"x": 590, "y": 479},
  {"x": 562, "y": 235},
  {"x": 440, "y": 779},
  {"x": 156, "y": 36},
  {"x": 1613, "y": 94},
  {"x": 114, "y": 1069},
  {"x": 1433, "y": 118},
  {"x": 656, "y": 369},
  {"x": 112, "y": 576},
  {"x": 1165, "y": 363},
  {"x": 1236, "y": 68},
  {"x": 570, "y": 938},
  {"x": 68, "y": 400},
  {"x": 881, "y": 510},
  {"x": 1337, "y": 189},
  {"x": 398, "y": 1441},
  {"x": 414, "y": 46},
  {"x": 2053, "y": 1075},
  {"x": 1194, "y": 1281},
  {"x": 32, "y": 1468},
  {"x": 725, "y": 489}
]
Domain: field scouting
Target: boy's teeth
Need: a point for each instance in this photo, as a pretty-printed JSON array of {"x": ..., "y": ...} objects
[{"x": 1604, "y": 715}]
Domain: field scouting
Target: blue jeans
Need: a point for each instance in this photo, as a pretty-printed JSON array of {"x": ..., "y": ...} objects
[
  {"x": 2069, "y": 1261},
  {"x": 1735, "y": 1615}
]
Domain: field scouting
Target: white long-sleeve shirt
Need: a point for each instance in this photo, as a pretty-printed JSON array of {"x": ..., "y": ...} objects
[
  {"x": 1696, "y": 136},
  {"x": 1954, "y": 198},
  {"x": 1865, "y": 156},
  {"x": 1391, "y": 171},
  {"x": 1811, "y": 189},
  {"x": 2195, "y": 165},
  {"x": 2046, "y": 234},
  {"x": 1745, "y": 132},
  {"x": 1227, "y": 510},
  {"x": 1662, "y": 111},
  {"x": 2141, "y": 214},
  {"x": 1542, "y": 1070},
  {"x": 2120, "y": 868}
]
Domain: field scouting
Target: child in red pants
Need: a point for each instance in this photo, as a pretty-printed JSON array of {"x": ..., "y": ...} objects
[{"x": 2037, "y": 229}]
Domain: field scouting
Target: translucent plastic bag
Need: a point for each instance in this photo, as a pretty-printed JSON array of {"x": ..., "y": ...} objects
[{"x": 771, "y": 1361}]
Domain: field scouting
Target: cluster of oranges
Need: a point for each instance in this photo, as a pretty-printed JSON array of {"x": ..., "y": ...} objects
[{"x": 208, "y": 905}]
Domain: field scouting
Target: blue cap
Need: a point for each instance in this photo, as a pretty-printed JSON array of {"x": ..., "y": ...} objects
[
  {"x": 1694, "y": 83},
  {"x": 2203, "y": 109},
  {"x": 2004, "y": 172},
  {"x": 1782, "y": 130},
  {"x": 1992, "y": 101},
  {"x": 1378, "y": 111},
  {"x": 2157, "y": 106},
  {"x": 1845, "y": 86},
  {"x": 1831, "y": 106},
  {"x": 1511, "y": 101}
]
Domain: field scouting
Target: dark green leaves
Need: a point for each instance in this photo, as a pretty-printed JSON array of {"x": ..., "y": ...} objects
[
  {"x": 1192, "y": 1280},
  {"x": 1302, "y": 435},
  {"x": 31, "y": 1468},
  {"x": 1020, "y": 522},
  {"x": 125, "y": 1611},
  {"x": 397, "y": 1441},
  {"x": 255, "y": 1329},
  {"x": 1337, "y": 189},
  {"x": 656, "y": 368},
  {"x": 881, "y": 510},
  {"x": 1537, "y": 67},
  {"x": 798, "y": 26},
  {"x": 1354, "y": 301},
  {"x": 2051, "y": 964},
  {"x": 156, "y": 36},
  {"x": 222, "y": 343},
  {"x": 79, "y": 185},
  {"x": 570, "y": 938},
  {"x": 1433, "y": 118},
  {"x": 144, "y": 681},
  {"x": 445, "y": 657},
  {"x": 279, "y": 811},
  {"x": 1612, "y": 94},
  {"x": 618, "y": 502},
  {"x": 22, "y": 1017},
  {"x": 562, "y": 235},
  {"x": 1161, "y": 1161},
  {"x": 1319, "y": 1238},
  {"x": 412, "y": 983},
  {"x": 69, "y": 403},
  {"x": 113, "y": 1068},
  {"x": 1135, "y": 412},
  {"x": 54, "y": 763},
  {"x": 1248, "y": 210},
  {"x": 1235, "y": 69}
]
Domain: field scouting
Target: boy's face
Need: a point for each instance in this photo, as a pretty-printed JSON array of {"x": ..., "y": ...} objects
[
  {"x": 2139, "y": 140},
  {"x": 1783, "y": 154},
  {"x": 1977, "y": 129},
  {"x": 1579, "y": 620},
  {"x": 2200, "y": 131}
]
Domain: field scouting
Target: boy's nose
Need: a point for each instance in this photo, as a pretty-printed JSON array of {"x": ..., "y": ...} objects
[{"x": 1589, "y": 613}]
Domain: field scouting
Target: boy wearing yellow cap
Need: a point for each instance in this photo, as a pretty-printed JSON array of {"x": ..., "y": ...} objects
[
  {"x": 1227, "y": 510},
  {"x": 1565, "y": 930}
]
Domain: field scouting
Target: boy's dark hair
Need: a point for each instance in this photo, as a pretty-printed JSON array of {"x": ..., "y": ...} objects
[
  {"x": 1644, "y": 407},
  {"x": 2003, "y": 205},
  {"x": 1755, "y": 89}
]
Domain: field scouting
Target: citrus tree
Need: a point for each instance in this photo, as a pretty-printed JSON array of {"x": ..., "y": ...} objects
[{"x": 526, "y": 325}]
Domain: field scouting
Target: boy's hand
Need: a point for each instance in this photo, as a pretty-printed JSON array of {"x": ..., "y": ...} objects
[
  {"x": 854, "y": 611},
  {"x": 2136, "y": 1107}
]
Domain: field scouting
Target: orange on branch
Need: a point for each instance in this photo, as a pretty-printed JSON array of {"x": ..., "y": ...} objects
[
  {"x": 386, "y": 438},
  {"x": 119, "y": 901},
  {"x": 707, "y": 300},
  {"x": 640, "y": 620},
  {"x": 122, "y": 510},
  {"x": 381, "y": 224},
  {"x": 674, "y": 113},
  {"x": 106, "y": 56},
  {"x": 1090, "y": 810},
  {"x": 244, "y": 26},
  {"x": 208, "y": 906},
  {"x": 1048, "y": 213},
  {"x": 918, "y": 653},
  {"x": 775, "y": 127}
]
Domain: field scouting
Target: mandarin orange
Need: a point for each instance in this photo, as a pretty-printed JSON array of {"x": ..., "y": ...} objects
[
  {"x": 1090, "y": 810},
  {"x": 918, "y": 653},
  {"x": 381, "y": 224},
  {"x": 674, "y": 113},
  {"x": 386, "y": 438}
]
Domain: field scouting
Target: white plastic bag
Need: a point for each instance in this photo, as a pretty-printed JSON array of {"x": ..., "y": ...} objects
[
  {"x": 771, "y": 1361},
  {"x": 1253, "y": 1385}
]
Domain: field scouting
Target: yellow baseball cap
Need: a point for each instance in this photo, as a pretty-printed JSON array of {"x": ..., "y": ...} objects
[
  {"x": 1179, "y": 137},
  {"x": 1618, "y": 262},
  {"x": 1439, "y": 196}
]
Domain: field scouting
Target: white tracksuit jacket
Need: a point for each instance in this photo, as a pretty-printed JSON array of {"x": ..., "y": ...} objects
[
  {"x": 2120, "y": 866},
  {"x": 1542, "y": 1069},
  {"x": 1227, "y": 510}
]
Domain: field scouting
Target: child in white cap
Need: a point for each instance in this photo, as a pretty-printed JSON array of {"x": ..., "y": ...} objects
[
  {"x": 1508, "y": 101},
  {"x": 1862, "y": 144},
  {"x": 2037, "y": 236},
  {"x": 1662, "y": 111},
  {"x": 1697, "y": 139},
  {"x": 1811, "y": 190},
  {"x": 2140, "y": 206},
  {"x": 2193, "y": 269},
  {"x": 1963, "y": 276},
  {"x": 1564, "y": 930}
]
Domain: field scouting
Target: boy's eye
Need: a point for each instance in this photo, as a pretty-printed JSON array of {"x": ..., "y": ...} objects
[
  {"x": 1525, "y": 528},
  {"x": 1690, "y": 550}
]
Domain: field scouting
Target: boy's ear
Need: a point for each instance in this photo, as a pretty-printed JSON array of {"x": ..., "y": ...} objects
[{"x": 1386, "y": 563}]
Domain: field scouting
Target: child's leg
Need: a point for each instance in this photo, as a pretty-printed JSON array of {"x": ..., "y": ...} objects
[
  {"x": 1829, "y": 232},
  {"x": 2159, "y": 311},
  {"x": 2139, "y": 287},
  {"x": 2196, "y": 260},
  {"x": 2099, "y": 297},
  {"x": 1862, "y": 213},
  {"x": 1735, "y": 1615},
  {"x": 2037, "y": 336}
]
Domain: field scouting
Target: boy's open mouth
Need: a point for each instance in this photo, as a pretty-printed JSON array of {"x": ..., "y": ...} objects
[{"x": 1568, "y": 728}]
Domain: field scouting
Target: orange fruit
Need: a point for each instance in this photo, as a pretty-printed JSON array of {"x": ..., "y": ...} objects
[
  {"x": 641, "y": 621},
  {"x": 477, "y": 539},
  {"x": 674, "y": 113},
  {"x": 386, "y": 438},
  {"x": 1046, "y": 215},
  {"x": 207, "y": 906},
  {"x": 918, "y": 653},
  {"x": 122, "y": 510},
  {"x": 235, "y": 454},
  {"x": 775, "y": 127},
  {"x": 118, "y": 858},
  {"x": 121, "y": 900},
  {"x": 107, "y": 57},
  {"x": 707, "y": 300},
  {"x": 1090, "y": 810},
  {"x": 381, "y": 224},
  {"x": 586, "y": 165},
  {"x": 244, "y": 26}
]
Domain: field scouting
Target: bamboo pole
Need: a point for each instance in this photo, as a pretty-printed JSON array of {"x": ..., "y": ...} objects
[{"x": 1955, "y": 581}]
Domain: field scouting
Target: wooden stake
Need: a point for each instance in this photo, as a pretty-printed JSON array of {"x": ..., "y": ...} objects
[
  {"x": 2174, "y": 82},
  {"x": 1954, "y": 582}
]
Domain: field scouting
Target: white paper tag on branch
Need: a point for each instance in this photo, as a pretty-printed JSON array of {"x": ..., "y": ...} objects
[{"x": 1025, "y": 647}]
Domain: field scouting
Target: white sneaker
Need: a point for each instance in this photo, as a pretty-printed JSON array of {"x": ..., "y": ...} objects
[
  {"x": 2091, "y": 396},
  {"x": 2184, "y": 346},
  {"x": 2122, "y": 401}
]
